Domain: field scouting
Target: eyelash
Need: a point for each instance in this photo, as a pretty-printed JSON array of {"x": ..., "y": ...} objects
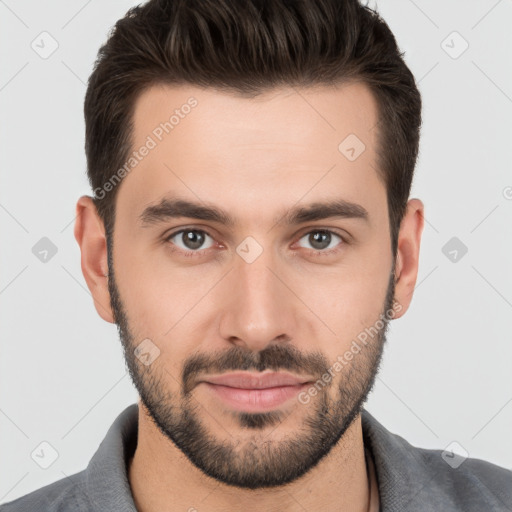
[{"x": 200, "y": 252}]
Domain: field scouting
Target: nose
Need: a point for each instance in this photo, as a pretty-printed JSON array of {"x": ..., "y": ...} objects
[{"x": 260, "y": 308}]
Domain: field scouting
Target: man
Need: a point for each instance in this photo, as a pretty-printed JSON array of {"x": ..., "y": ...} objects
[{"x": 251, "y": 234}]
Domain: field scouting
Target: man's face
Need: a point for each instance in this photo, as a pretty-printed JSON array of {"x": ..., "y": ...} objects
[{"x": 269, "y": 292}]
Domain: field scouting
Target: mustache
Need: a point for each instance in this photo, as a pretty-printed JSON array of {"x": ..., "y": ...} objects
[{"x": 273, "y": 357}]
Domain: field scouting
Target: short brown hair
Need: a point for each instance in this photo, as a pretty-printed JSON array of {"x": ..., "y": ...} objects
[{"x": 248, "y": 47}]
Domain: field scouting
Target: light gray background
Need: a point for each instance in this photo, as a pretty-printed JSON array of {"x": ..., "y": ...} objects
[{"x": 447, "y": 366}]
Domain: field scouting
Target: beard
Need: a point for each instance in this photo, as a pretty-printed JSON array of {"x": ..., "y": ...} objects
[{"x": 258, "y": 461}]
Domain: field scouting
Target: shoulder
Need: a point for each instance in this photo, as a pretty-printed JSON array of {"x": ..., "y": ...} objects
[
  {"x": 103, "y": 485},
  {"x": 471, "y": 484},
  {"x": 414, "y": 478},
  {"x": 66, "y": 494}
]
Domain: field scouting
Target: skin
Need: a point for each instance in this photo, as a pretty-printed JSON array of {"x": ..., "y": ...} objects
[{"x": 254, "y": 158}]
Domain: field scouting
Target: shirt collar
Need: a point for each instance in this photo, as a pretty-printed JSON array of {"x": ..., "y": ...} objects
[
  {"x": 107, "y": 482},
  {"x": 399, "y": 466},
  {"x": 398, "y": 469}
]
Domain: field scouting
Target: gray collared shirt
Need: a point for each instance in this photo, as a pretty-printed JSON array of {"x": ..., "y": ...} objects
[{"x": 409, "y": 478}]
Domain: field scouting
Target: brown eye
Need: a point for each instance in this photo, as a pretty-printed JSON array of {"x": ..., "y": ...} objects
[
  {"x": 190, "y": 239},
  {"x": 321, "y": 240}
]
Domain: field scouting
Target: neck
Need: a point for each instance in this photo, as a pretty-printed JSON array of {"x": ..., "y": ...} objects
[{"x": 162, "y": 478}]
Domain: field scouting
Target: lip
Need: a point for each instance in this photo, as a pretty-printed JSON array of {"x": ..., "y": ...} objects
[
  {"x": 251, "y": 380},
  {"x": 255, "y": 392}
]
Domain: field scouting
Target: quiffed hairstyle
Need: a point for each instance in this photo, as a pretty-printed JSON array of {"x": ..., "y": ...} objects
[{"x": 247, "y": 47}]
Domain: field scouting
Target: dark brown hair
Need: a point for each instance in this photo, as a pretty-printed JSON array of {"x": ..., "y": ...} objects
[{"x": 248, "y": 47}]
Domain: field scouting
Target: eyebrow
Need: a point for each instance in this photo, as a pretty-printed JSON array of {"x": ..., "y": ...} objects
[{"x": 170, "y": 208}]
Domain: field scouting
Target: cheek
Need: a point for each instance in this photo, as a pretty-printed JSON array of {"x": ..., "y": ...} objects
[
  {"x": 162, "y": 302},
  {"x": 349, "y": 299}
]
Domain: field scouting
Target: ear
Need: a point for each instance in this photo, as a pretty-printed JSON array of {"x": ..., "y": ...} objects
[
  {"x": 408, "y": 252},
  {"x": 90, "y": 235}
]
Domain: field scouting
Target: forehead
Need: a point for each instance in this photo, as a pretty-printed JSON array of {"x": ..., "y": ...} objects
[
  {"x": 281, "y": 116},
  {"x": 282, "y": 145}
]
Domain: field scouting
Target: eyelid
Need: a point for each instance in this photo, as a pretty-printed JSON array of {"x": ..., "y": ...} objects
[
  {"x": 175, "y": 231},
  {"x": 335, "y": 231}
]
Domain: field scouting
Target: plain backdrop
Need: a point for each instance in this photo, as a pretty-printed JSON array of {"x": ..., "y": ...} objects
[{"x": 446, "y": 374}]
